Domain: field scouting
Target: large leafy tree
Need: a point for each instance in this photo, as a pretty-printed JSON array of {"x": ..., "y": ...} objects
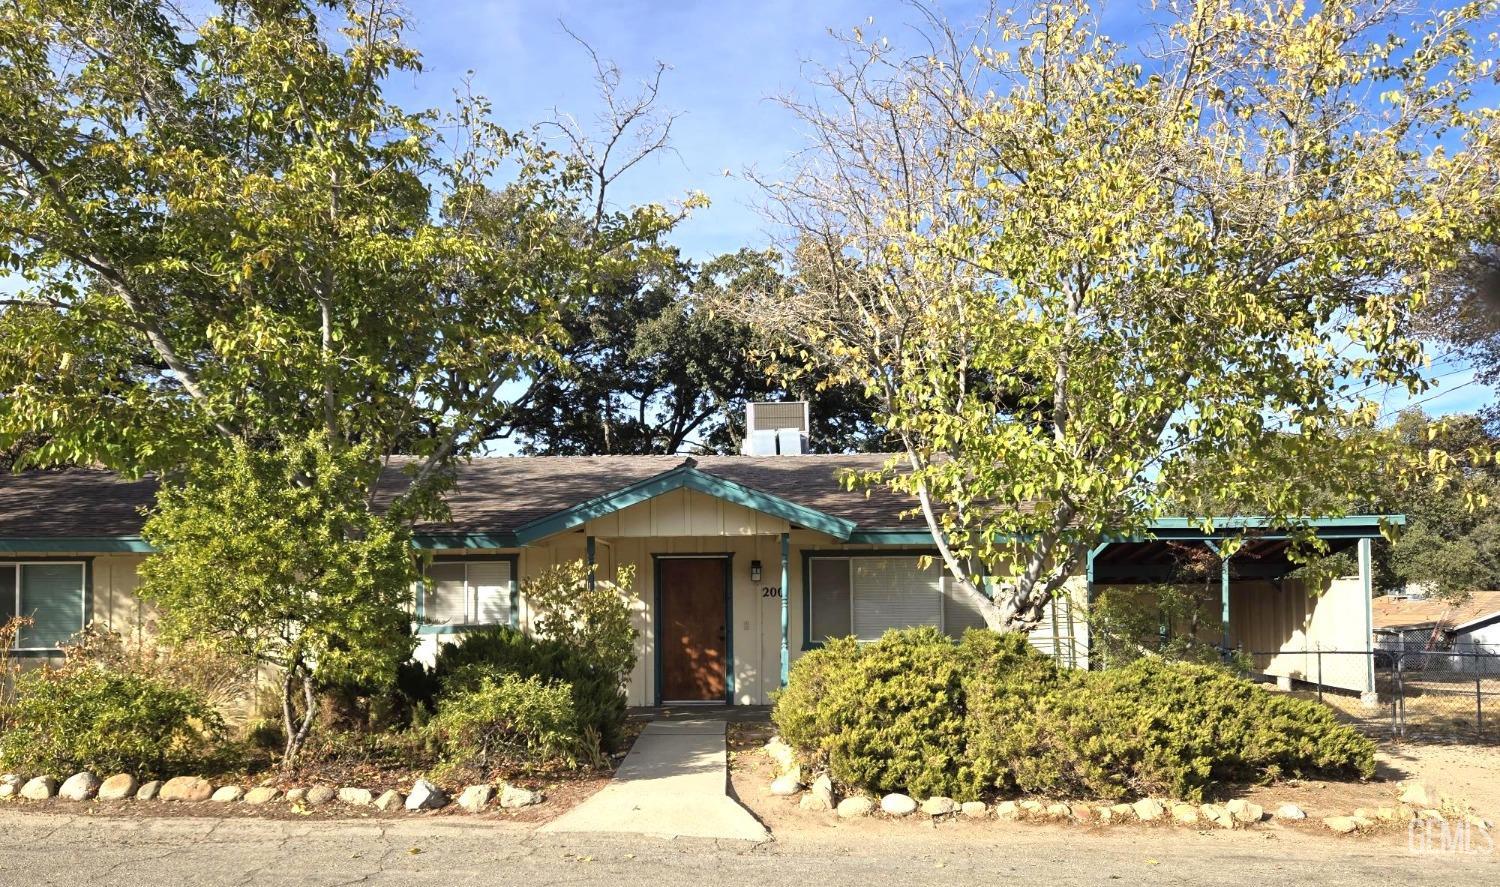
[
  {"x": 221, "y": 230},
  {"x": 234, "y": 262},
  {"x": 1086, "y": 281},
  {"x": 651, "y": 367}
]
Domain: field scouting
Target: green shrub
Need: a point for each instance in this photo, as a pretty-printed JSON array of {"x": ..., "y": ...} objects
[
  {"x": 506, "y": 722},
  {"x": 1181, "y": 729},
  {"x": 87, "y": 717},
  {"x": 598, "y": 698},
  {"x": 886, "y": 716},
  {"x": 919, "y": 713}
]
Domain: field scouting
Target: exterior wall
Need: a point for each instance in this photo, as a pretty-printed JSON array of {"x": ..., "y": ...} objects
[{"x": 1297, "y": 632}]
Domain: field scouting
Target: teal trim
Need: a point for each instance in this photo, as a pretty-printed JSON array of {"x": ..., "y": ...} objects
[
  {"x": 80, "y": 544},
  {"x": 786, "y": 609},
  {"x": 809, "y": 553},
  {"x": 1223, "y": 592},
  {"x": 431, "y": 541},
  {"x": 675, "y": 479},
  {"x": 1366, "y": 581},
  {"x": 728, "y": 559},
  {"x": 515, "y": 595},
  {"x": 890, "y": 537}
]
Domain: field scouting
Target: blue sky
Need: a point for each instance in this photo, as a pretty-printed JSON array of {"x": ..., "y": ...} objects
[{"x": 728, "y": 60}]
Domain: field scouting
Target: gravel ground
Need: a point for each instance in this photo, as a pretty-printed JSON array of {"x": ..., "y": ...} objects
[{"x": 93, "y": 849}]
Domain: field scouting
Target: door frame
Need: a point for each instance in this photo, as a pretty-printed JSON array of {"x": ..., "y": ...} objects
[{"x": 728, "y": 558}]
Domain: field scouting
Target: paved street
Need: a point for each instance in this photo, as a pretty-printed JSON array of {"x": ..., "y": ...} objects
[{"x": 43, "y": 849}]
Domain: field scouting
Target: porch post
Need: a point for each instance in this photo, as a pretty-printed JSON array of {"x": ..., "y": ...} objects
[
  {"x": 588, "y": 545},
  {"x": 1088, "y": 602},
  {"x": 1366, "y": 582},
  {"x": 786, "y": 613},
  {"x": 1223, "y": 592}
]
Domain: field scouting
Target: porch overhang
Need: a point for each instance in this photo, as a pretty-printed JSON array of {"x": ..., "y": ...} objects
[{"x": 685, "y": 476}]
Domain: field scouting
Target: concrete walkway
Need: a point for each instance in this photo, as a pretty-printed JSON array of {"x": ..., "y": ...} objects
[{"x": 674, "y": 783}]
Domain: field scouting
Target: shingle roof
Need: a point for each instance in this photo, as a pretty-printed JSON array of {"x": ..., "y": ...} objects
[
  {"x": 72, "y": 502},
  {"x": 1392, "y": 613},
  {"x": 497, "y": 495},
  {"x": 491, "y": 495}
]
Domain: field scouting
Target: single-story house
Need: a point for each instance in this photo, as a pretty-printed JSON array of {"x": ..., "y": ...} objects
[
  {"x": 1410, "y": 622},
  {"x": 742, "y": 563}
]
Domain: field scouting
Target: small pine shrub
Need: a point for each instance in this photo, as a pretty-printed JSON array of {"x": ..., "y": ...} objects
[
  {"x": 505, "y": 722},
  {"x": 886, "y": 716},
  {"x": 84, "y": 716},
  {"x": 919, "y": 713}
]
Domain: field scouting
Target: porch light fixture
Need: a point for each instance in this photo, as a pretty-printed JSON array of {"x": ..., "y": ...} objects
[{"x": 755, "y": 571}]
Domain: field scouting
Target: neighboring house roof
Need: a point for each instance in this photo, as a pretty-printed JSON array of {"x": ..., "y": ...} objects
[{"x": 1398, "y": 614}]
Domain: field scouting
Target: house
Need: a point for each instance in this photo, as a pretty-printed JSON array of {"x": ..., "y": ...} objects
[
  {"x": 1403, "y": 622},
  {"x": 742, "y": 562}
]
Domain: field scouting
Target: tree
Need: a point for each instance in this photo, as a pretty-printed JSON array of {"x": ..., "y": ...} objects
[
  {"x": 1085, "y": 281},
  {"x": 271, "y": 554},
  {"x": 225, "y": 232},
  {"x": 651, "y": 367}
]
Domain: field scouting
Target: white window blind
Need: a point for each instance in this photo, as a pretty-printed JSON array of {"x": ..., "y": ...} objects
[
  {"x": 960, "y": 613},
  {"x": 489, "y": 584},
  {"x": 830, "y": 608},
  {"x": 467, "y": 593},
  {"x": 893, "y": 592}
]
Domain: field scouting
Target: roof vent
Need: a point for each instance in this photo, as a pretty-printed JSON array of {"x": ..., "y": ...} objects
[{"x": 776, "y": 428}]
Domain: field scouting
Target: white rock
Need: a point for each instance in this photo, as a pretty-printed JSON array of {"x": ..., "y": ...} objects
[
  {"x": 39, "y": 789},
  {"x": 1008, "y": 810},
  {"x": 320, "y": 794},
  {"x": 476, "y": 797},
  {"x": 1148, "y": 809},
  {"x": 1219, "y": 816},
  {"x": 822, "y": 794},
  {"x": 859, "y": 805},
  {"x": 1245, "y": 811},
  {"x": 1059, "y": 811},
  {"x": 513, "y": 797},
  {"x": 186, "y": 788},
  {"x": 897, "y": 804},
  {"x": 356, "y": 797},
  {"x": 148, "y": 791},
  {"x": 118, "y": 787},
  {"x": 1420, "y": 794},
  {"x": 974, "y": 809},
  {"x": 1186, "y": 814},
  {"x": 79, "y": 787},
  {"x": 816, "y": 802},
  {"x": 425, "y": 796},
  {"x": 390, "y": 799},
  {"x": 939, "y": 806},
  {"x": 783, "y": 755},
  {"x": 1341, "y": 824},
  {"x": 227, "y": 794},
  {"x": 296, "y": 795},
  {"x": 264, "y": 794},
  {"x": 785, "y": 786},
  {"x": 1290, "y": 811},
  {"x": 10, "y": 785}
]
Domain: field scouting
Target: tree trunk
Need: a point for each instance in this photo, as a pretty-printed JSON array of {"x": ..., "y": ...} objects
[{"x": 296, "y": 729}]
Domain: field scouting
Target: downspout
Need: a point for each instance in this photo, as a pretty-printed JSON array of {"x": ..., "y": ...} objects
[{"x": 1223, "y": 593}]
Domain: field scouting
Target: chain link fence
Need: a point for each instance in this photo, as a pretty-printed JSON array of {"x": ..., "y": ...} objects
[{"x": 1431, "y": 695}]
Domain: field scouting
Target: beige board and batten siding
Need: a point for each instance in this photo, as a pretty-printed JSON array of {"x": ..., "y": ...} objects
[{"x": 1286, "y": 624}]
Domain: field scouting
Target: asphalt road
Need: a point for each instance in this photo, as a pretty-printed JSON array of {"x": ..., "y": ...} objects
[{"x": 42, "y": 849}]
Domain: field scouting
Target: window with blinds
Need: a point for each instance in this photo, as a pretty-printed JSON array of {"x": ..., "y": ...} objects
[
  {"x": 50, "y": 594},
  {"x": 467, "y": 593},
  {"x": 867, "y": 596}
]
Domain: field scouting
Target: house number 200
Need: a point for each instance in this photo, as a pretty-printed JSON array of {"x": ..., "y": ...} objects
[{"x": 770, "y": 591}]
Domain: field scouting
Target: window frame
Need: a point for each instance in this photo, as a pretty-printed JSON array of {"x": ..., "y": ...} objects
[
  {"x": 86, "y": 592},
  {"x": 811, "y": 554},
  {"x": 425, "y": 627}
]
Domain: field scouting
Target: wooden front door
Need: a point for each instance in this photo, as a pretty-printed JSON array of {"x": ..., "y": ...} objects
[{"x": 693, "y": 628}]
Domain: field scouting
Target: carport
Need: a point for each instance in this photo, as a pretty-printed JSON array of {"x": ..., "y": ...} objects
[{"x": 1277, "y": 616}]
